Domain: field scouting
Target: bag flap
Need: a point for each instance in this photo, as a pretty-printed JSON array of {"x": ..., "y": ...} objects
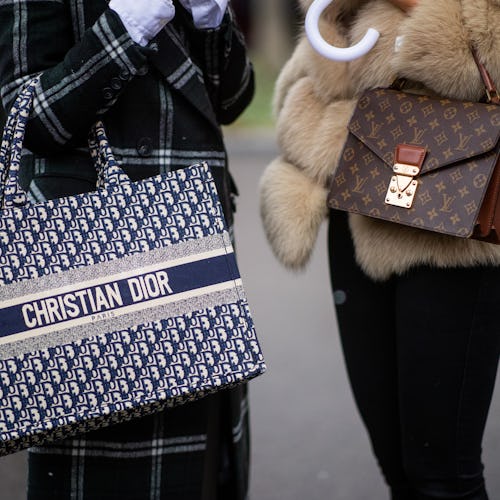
[{"x": 450, "y": 131}]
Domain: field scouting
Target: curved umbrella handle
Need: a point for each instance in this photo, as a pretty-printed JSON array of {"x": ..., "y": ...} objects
[{"x": 330, "y": 51}]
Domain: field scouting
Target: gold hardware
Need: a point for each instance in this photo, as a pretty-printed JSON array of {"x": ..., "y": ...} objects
[
  {"x": 403, "y": 186},
  {"x": 403, "y": 169},
  {"x": 492, "y": 95}
]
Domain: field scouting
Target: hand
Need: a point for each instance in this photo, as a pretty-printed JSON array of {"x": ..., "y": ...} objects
[
  {"x": 405, "y": 5},
  {"x": 207, "y": 14},
  {"x": 143, "y": 19}
]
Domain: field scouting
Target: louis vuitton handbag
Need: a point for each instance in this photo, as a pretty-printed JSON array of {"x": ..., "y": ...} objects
[
  {"x": 424, "y": 162},
  {"x": 114, "y": 303}
]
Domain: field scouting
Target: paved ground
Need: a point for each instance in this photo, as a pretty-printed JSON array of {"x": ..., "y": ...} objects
[{"x": 308, "y": 442}]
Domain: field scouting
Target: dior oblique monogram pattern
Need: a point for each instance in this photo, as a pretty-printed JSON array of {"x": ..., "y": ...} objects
[
  {"x": 111, "y": 376},
  {"x": 461, "y": 142}
]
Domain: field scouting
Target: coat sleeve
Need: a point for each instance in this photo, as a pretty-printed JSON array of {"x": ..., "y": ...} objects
[
  {"x": 228, "y": 72},
  {"x": 293, "y": 70},
  {"x": 79, "y": 80},
  {"x": 311, "y": 132}
]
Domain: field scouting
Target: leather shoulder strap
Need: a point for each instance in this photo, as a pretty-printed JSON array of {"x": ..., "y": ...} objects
[{"x": 491, "y": 91}]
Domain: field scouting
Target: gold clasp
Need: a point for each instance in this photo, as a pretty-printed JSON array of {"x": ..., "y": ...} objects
[
  {"x": 403, "y": 185},
  {"x": 402, "y": 189}
]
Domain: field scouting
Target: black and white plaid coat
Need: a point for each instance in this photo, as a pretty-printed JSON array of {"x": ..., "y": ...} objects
[{"x": 162, "y": 106}]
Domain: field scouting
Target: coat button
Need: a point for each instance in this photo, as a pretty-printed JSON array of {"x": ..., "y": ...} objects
[
  {"x": 107, "y": 93},
  {"x": 145, "y": 146},
  {"x": 124, "y": 74},
  {"x": 116, "y": 83}
]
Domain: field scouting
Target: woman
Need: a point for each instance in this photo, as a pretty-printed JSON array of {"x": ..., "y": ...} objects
[
  {"x": 163, "y": 76},
  {"x": 417, "y": 311}
]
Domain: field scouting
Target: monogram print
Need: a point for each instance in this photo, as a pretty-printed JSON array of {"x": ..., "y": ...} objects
[
  {"x": 54, "y": 390},
  {"x": 163, "y": 363},
  {"x": 124, "y": 219},
  {"x": 462, "y": 149}
]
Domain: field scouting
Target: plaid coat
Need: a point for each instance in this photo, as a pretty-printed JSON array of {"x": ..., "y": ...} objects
[{"x": 162, "y": 106}]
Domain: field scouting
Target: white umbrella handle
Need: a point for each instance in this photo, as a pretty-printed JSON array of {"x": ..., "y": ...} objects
[{"x": 330, "y": 51}]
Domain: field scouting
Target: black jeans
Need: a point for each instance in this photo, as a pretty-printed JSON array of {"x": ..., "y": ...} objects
[{"x": 422, "y": 353}]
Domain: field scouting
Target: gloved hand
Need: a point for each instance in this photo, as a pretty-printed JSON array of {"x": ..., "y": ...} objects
[
  {"x": 207, "y": 14},
  {"x": 143, "y": 19}
]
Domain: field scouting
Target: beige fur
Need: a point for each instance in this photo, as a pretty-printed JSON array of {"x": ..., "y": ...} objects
[
  {"x": 384, "y": 248},
  {"x": 314, "y": 100},
  {"x": 298, "y": 205},
  {"x": 303, "y": 130}
]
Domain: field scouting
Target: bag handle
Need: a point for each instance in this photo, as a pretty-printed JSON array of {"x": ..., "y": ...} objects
[
  {"x": 10, "y": 155},
  {"x": 492, "y": 94},
  {"x": 109, "y": 172},
  {"x": 11, "y": 194},
  {"x": 491, "y": 91}
]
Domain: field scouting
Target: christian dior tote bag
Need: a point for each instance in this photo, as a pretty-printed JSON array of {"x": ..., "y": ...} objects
[{"x": 114, "y": 303}]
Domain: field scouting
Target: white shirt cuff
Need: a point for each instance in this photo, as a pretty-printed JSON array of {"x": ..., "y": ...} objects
[
  {"x": 207, "y": 14},
  {"x": 143, "y": 19}
]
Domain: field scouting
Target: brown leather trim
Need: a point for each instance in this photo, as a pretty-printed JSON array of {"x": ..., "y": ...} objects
[
  {"x": 488, "y": 219},
  {"x": 410, "y": 155},
  {"x": 489, "y": 84}
]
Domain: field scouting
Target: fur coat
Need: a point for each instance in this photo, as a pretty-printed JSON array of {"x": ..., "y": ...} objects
[{"x": 314, "y": 100}]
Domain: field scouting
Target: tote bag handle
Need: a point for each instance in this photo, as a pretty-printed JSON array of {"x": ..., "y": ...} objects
[{"x": 12, "y": 195}]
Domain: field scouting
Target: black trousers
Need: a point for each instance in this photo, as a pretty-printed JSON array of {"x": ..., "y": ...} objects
[{"x": 422, "y": 353}]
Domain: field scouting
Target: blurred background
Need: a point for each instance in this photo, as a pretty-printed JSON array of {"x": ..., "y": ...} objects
[
  {"x": 271, "y": 29},
  {"x": 307, "y": 438}
]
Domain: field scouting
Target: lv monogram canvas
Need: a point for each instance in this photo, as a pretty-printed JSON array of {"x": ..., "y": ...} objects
[
  {"x": 115, "y": 303},
  {"x": 419, "y": 161}
]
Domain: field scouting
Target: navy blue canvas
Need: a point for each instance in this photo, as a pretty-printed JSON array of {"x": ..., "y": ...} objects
[{"x": 114, "y": 303}]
